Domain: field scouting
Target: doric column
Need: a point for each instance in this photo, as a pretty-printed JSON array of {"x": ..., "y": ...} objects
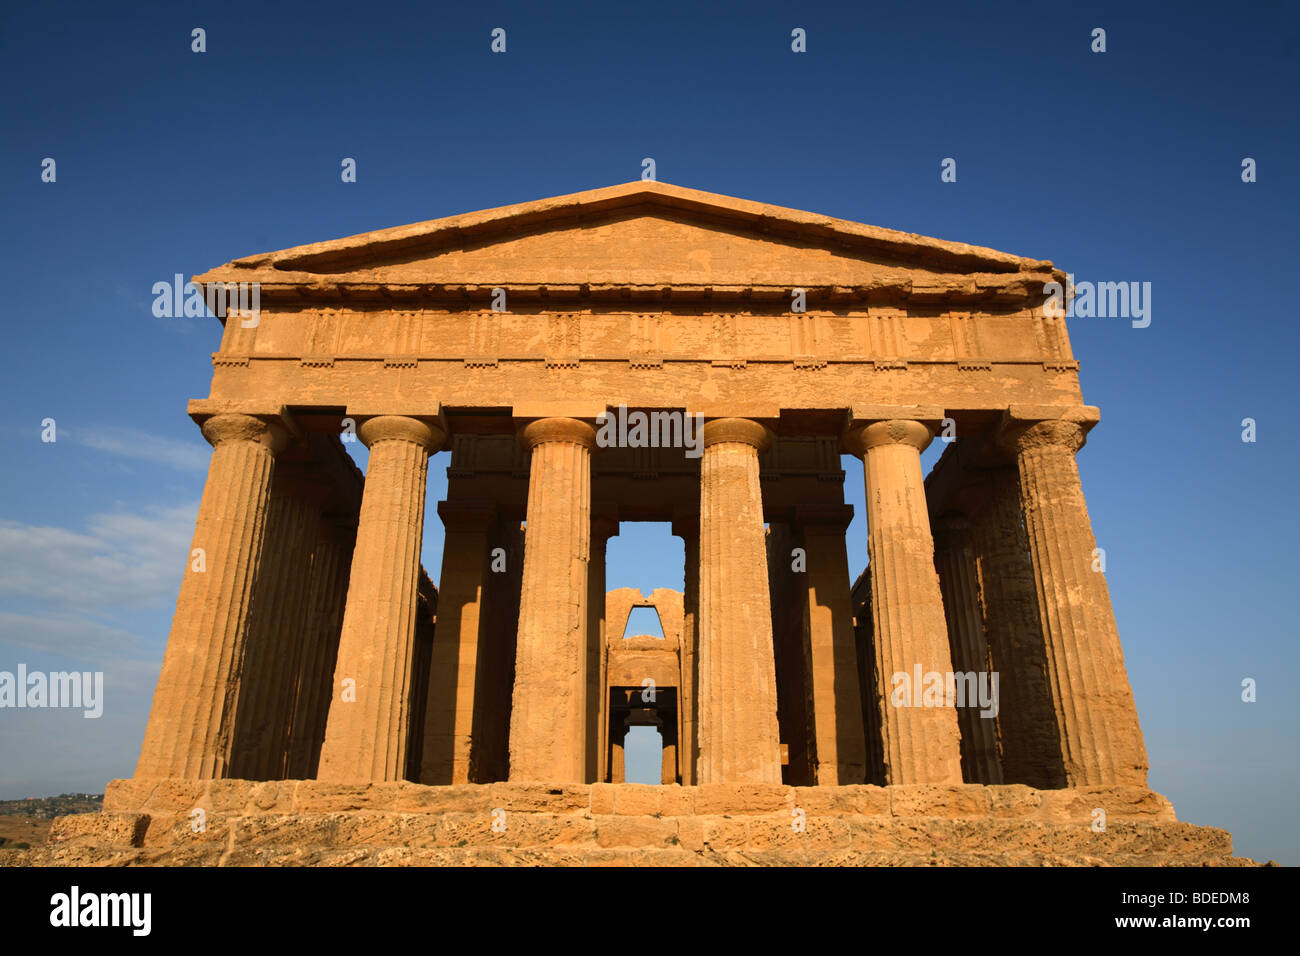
[
  {"x": 366, "y": 736},
  {"x": 920, "y": 736},
  {"x": 954, "y": 559},
  {"x": 603, "y": 527},
  {"x": 1101, "y": 742},
  {"x": 490, "y": 756},
  {"x": 736, "y": 696},
  {"x": 191, "y": 725},
  {"x": 668, "y": 771},
  {"x": 831, "y": 655},
  {"x": 1031, "y": 743},
  {"x": 618, "y": 754},
  {"x": 330, "y": 564},
  {"x": 686, "y": 525},
  {"x": 787, "y": 585},
  {"x": 269, "y": 677},
  {"x": 548, "y": 716},
  {"x": 454, "y": 667}
]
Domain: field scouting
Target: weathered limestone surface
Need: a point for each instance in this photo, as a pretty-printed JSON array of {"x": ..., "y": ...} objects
[
  {"x": 958, "y": 581},
  {"x": 191, "y": 725},
  {"x": 302, "y": 648},
  {"x": 366, "y": 737},
  {"x": 547, "y": 730},
  {"x": 1100, "y": 738},
  {"x": 832, "y": 655},
  {"x": 457, "y": 648},
  {"x": 277, "y": 636},
  {"x": 490, "y": 755},
  {"x": 331, "y": 563},
  {"x": 788, "y": 591},
  {"x": 737, "y": 729},
  {"x": 686, "y": 525},
  {"x": 603, "y": 527},
  {"x": 309, "y": 823},
  {"x": 1027, "y": 725},
  {"x": 921, "y": 743}
]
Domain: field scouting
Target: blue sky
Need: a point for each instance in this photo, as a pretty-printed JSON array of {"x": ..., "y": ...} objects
[{"x": 1121, "y": 166}]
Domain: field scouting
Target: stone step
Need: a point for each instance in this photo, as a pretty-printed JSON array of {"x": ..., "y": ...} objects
[{"x": 306, "y": 823}]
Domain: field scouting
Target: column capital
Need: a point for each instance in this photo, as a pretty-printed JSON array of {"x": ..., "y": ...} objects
[
  {"x": 239, "y": 427},
  {"x": 740, "y": 430},
  {"x": 557, "y": 429},
  {"x": 467, "y": 514},
  {"x": 894, "y": 431},
  {"x": 400, "y": 428},
  {"x": 823, "y": 519},
  {"x": 951, "y": 528},
  {"x": 1040, "y": 426}
]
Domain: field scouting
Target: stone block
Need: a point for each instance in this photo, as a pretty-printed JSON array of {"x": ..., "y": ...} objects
[
  {"x": 272, "y": 795},
  {"x": 128, "y": 794},
  {"x": 419, "y": 798},
  {"x": 777, "y": 832},
  {"x": 677, "y": 801},
  {"x": 814, "y": 799},
  {"x": 179, "y": 829},
  {"x": 602, "y": 798},
  {"x": 639, "y": 800},
  {"x": 313, "y": 796},
  {"x": 723, "y": 833},
  {"x": 226, "y": 796},
  {"x": 722, "y": 798},
  {"x": 947, "y": 802},
  {"x": 175, "y": 796},
  {"x": 619, "y": 831},
  {"x": 101, "y": 829},
  {"x": 690, "y": 833},
  {"x": 1014, "y": 800},
  {"x": 548, "y": 829},
  {"x": 556, "y": 798},
  {"x": 864, "y": 800}
]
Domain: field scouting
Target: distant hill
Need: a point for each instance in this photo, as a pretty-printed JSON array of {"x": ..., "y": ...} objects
[{"x": 50, "y": 807}]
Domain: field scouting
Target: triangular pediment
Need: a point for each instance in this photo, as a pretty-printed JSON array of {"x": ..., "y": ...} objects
[{"x": 637, "y": 235}]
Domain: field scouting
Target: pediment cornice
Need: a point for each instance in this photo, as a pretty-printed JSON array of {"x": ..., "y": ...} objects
[{"x": 842, "y": 261}]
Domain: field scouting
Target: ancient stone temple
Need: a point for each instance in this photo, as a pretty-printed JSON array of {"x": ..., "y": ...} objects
[{"x": 643, "y": 352}]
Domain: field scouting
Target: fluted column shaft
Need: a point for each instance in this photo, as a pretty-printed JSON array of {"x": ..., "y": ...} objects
[
  {"x": 1101, "y": 742},
  {"x": 603, "y": 527},
  {"x": 327, "y": 595},
  {"x": 548, "y": 716},
  {"x": 738, "y": 735},
  {"x": 921, "y": 740},
  {"x": 954, "y": 559},
  {"x": 191, "y": 725},
  {"x": 832, "y": 659},
  {"x": 686, "y": 526},
  {"x": 369, "y": 720},
  {"x": 1027, "y": 725},
  {"x": 278, "y": 629},
  {"x": 454, "y": 664}
]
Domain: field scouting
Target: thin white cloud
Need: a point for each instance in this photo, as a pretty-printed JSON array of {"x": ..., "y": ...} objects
[
  {"x": 120, "y": 560},
  {"x": 143, "y": 446},
  {"x": 78, "y": 638}
]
